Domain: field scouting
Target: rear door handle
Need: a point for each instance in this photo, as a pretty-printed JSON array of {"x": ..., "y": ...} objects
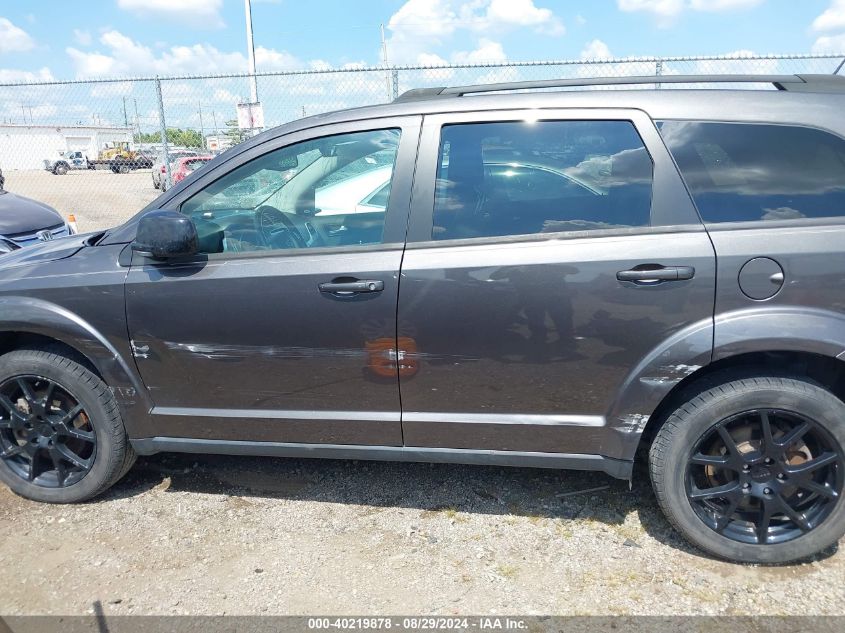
[
  {"x": 352, "y": 287},
  {"x": 656, "y": 275}
]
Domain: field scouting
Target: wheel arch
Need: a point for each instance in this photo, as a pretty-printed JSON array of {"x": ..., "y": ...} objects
[
  {"x": 27, "y": 321},
  {"x": 798, "y": 341},
  {"x": 827, "y": 371}
]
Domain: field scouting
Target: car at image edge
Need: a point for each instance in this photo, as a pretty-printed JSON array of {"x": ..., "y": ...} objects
[
  {"x": 585, "y": 279},
  {"x": 26, "y": 222}
]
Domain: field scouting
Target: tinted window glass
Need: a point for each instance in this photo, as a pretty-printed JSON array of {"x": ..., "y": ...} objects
[
  {"x": 739, "y": 172},
  {"x": 307, "y": 195},
  {"x": 520, "y": 178}
]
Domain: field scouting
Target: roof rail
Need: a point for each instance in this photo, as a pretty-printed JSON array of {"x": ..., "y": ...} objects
[{"x": 791, "y": 83}]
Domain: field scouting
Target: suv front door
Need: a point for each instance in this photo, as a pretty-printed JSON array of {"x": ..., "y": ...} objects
[
  {"x": 246, "y": 341},
  {"x": 524, "y": 310}
]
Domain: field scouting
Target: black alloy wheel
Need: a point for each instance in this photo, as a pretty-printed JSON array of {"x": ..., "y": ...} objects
[
  {"x": 765, "y": 476},
  {"x": 46, "y": 436}
]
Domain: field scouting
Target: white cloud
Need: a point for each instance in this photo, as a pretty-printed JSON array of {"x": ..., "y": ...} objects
[
  {"x": 596, "y": 49},
  {"x": 487, "y": 51},
  {"x": 188, "y": 13},
  {"x": 13, "y": 38},
  {"x": 431, "y": 59},
  {"x": 521, "y": 13},
  {"x": 10, "y": 75},
  {"x": 662, "y": 8},
  {"x": 830, "y": 44},
  {"x": 424, "y": 18},
  {"x": 723, "y": 5},
  {"x": 271, "y": 59},
  {"x": 667, "y": 10},
  {"x": 81, "y": 37},
  {"x": 422, "y": 25},
  {"x": 833, "y": 18},
  {"x": 126, "y": 57}
]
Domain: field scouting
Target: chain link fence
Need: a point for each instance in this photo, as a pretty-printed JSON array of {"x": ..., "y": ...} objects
[{"x": 93, "y": 148}]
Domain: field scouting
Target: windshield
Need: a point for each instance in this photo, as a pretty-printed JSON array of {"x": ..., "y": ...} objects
[{"x": 192, "y": 165}]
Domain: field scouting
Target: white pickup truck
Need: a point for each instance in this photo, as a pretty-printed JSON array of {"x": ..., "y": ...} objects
[{"x": 65, "y": 161}]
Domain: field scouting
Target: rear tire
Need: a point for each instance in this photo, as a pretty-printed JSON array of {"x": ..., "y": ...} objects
[
  {"x": 60, "y": 170},
  {"x": 94, "y": 437},
  {"x": 744, "y": 493}
]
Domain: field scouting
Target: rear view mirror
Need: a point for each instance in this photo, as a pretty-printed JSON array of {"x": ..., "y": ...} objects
[{"x": 165, "y": 235}]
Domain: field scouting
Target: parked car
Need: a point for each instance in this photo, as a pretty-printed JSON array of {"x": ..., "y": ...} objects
[
  {"x": 183, "y": 167},
  {"x": 2, "y": 179},
  {"x": 669, "y": 290},
  {"x": 159, "y": 170},
  {"x": 63, "y": 162},
  {"x": 26, "y": 222}
]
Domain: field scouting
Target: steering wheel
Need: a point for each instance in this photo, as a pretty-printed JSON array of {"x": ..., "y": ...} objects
[{"x": 268, "y": 218}]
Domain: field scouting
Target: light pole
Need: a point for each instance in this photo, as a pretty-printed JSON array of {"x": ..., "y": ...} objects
[
  {"x": 202, "y": 128},
  {"x": 250, "y": 49}
]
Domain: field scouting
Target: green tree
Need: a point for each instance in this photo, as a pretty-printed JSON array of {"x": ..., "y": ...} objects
[
  {"x": 175, "y": 136},
  {"x": 234, "y": 132}
]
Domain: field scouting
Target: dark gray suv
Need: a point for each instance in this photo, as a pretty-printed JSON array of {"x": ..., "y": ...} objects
[{"x": 556, "y": 279}]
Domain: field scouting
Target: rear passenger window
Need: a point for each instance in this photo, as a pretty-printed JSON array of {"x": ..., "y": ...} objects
[
  {"x": 518, "y": 178},
  {"x": 739, "y": 172}
]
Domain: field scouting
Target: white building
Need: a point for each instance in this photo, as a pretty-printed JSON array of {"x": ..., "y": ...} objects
[{"x": 26, "y": 146}]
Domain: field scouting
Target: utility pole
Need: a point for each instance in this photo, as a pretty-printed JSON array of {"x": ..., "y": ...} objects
[
  {"x": 137, "y": 119},
  {"x": 202, "y": 129},
  {"x": 384, "y": 62},
  {"x": 250, "y": 49},
  {"x": 214, "y": 120}
]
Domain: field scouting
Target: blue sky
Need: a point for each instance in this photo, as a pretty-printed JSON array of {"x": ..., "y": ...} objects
[{"x": 115, "y": 38}]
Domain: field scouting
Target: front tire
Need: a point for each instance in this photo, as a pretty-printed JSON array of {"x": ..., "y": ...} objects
[
  {"x": 62, "y": 439},
  {"x": 752, "y": 469}
]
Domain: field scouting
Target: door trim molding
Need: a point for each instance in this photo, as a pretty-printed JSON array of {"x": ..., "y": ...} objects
[
  {"x": 620, "y": 469},
  {"x": 278, "y": 414},
  {"x": 505, "y": 418}
]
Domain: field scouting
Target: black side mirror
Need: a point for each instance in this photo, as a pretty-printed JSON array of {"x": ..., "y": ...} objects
[{"x": 165, "y": 235}]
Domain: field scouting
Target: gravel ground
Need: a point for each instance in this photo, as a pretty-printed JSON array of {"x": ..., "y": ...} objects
[
  {"x": 214, "y": 535},
  {"x": 99, "y": 198}
]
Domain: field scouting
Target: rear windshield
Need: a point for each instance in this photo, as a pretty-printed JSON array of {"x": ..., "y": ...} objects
[{"x": 192, "y": 165}]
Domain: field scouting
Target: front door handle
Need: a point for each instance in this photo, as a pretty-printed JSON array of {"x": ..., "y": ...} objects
[
  {"x": 351, "y": 287},
  {"x": 656, "y": 275}
]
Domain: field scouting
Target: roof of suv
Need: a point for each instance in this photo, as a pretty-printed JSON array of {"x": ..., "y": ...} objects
[
  {"x": 814, "y": 100},
  {"x": 789, "y": 83}
]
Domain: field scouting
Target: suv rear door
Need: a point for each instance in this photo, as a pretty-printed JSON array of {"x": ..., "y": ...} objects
[{"x": 523, "y": 307}]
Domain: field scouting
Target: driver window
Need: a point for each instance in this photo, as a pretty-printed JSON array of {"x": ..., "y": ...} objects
[{"x": 331, "y": 191}]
